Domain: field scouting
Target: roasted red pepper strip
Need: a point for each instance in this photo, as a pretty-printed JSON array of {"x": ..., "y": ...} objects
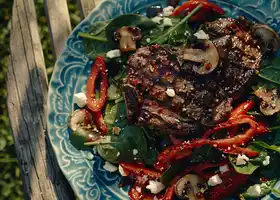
[
  {"x": 135, "y": 194},
  {"x": 242, "y": 109},
  {"x": 140, "y": 171},
  {"x": 231, "y": 182},
  {"x": 207, "y": 7},
  {"x": 241, "y": 150},
  {"x": 172, "y": 153},
  {"x": 99, "y": 67},
  {"x": 100, "y": 123}
]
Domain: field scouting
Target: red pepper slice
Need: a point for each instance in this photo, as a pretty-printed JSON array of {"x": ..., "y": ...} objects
[
  {"x": 140, "y": 170},
  {"x": 100, "y": 123},
  {"x": 231, "y": 182},
  {"x": 242, "y": 109},
  {"x": 95, "y": 105},
  {"x": 207, "y": 7},
  {"x": 135, "y": 194},
  {"x": 185, "y": 148},
  {"x": 241, "y": 150}
]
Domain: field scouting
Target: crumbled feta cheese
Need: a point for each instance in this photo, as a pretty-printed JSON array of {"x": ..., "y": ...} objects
[
  {"x": 122, "y": 172},
  {"x": 254, "y": 190},
  {"x": 138, "y": 189},
  {"x": 224, "y": 168},
  {"x": 187, "y": 33},
  {"x": 109, "y": 167},
  {"x": 113, "y": 53},
  {"x": 157, "y": 19},
  {"x": 118, "y": 154},
  {"x": 135, "y": 151},
  {"x": 201, "y": 35},
  {"x": 214, "y": 180},
  {"x": 155, "y": 198},
  {"x": 241, "y": 159},
  {"x": 148, "y": 40},
  {"x": 145, "y": 178},
  {"x": 155, "y": 187},
  {"x": 266, "y": 161},
  {"x": 167, "y": 11},
  {"x": 170, "y": 92},
  {"x": 167, "y": 22},
  {"x": 80, "y": 99}
]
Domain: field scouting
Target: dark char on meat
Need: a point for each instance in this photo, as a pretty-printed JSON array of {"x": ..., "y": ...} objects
[{"x": 200, "y": 100}]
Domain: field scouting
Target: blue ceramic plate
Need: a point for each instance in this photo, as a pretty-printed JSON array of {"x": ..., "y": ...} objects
[{"x": 82, "y": 169}]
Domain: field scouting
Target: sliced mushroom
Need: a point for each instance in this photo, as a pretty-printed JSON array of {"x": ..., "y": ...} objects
[
  {"x": 267, "y": 39},
  {"x": 191, "y": 187},
  {"x": 208, "y": 57},
  {"x": 270, "y": 103},
  {"x": 127, "y": 36}
]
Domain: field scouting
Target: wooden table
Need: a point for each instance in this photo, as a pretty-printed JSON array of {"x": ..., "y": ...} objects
[{"x": 27, "y": 86}]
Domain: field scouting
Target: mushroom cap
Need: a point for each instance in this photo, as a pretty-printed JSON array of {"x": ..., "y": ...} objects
[
  {"x": 190, "y": 187},
  {"x": 208, "y": 57}
]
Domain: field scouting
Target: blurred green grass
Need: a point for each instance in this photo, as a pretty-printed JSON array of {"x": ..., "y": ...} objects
[{"x": 10, "y": 181}]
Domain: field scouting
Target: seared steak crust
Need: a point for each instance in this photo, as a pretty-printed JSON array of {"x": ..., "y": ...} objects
[{"x": 199, "y": 99}]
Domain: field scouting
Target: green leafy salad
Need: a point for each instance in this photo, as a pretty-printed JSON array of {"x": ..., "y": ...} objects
[{"x": 183, "y": 103}]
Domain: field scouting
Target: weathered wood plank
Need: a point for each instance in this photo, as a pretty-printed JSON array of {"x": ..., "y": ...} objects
[
  {"x": 26, "y": 101},
  {"x": 59, "y": 24},
  {"x": 86, "y": 6}
]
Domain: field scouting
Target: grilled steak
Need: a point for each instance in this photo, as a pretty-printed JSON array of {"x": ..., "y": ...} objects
[{"x": 199, "y": 100}]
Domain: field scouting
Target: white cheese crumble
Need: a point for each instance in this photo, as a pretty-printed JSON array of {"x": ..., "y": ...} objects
[
  {"x": 167, "y": 11},
  {"x": 170, "y": 92},
  {"x": 148, "y": 40},
  {"x": 214, "y": 180},
  {"x": 118, "y": 154},
  {"x": 138, "y": 189},
  {"x": 241, "y": 160},
  {"x": 145, "y": 178},
  {"x": 155, "y": 187},
  {"x": 122, "y": 172},
  {"x": 266, "y": 161},
  {"x": 113, "y": 53},
  {"x": 157, "y": 19},
  {"x": 167, "y": 22},
  {"x": 202, "y": 35},
  {"x": 224, "y": 168},
  {"x": 254, "y": 190},
  {"x": 155, "y": 198},
  {"x": 80, "y": 99},
  {"x": 135, "y": 151},
  {"x": 109, "y": 167}
]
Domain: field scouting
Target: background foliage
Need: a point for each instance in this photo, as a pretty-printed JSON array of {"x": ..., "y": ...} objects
[{"x": 10, "y": 181}]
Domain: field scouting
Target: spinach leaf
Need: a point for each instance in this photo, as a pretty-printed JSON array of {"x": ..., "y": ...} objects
[
  {"x": 272, "y": 170},
  {"x": 271, "y": 73},
  {"x": 140, "y": 21},
  {"x": 116, "y": 115},
  {"x": 266, "y": 188},
  {"x": 95, "y": 40},
  {"x": 251, "y": 166},
  {"x": 206, "y": 153},
  {"x": 114, "y": 92},
  {"x": 267, "y": 146},
  {"x": 164, "y": 37},
  {"x": 108, "y": 152}
]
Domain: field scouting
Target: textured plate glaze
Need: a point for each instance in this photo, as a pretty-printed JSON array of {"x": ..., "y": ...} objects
[{"x": 82, "y": 169}]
